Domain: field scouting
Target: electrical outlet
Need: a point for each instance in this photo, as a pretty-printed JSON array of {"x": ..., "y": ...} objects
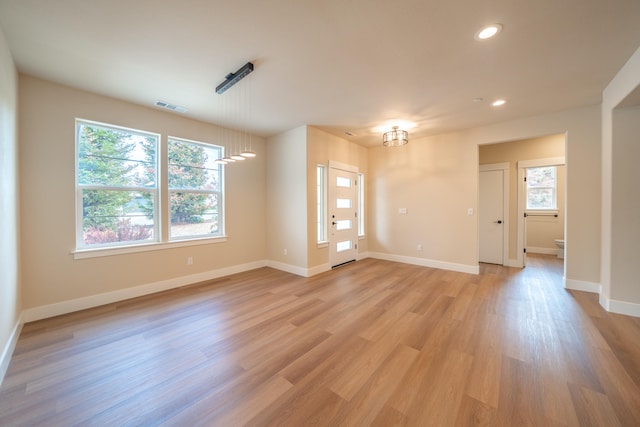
[
  {"x": 190, "y": 260},
  {"x": 419, "y": 248},
  {"x": 285, "y": 251}
]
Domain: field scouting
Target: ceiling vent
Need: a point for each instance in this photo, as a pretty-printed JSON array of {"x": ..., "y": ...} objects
[{"x": 170, "y": 107}]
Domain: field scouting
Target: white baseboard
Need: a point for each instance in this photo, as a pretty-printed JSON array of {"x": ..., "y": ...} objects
[
  {"x": 299, "y": 271},
  {"x": 293, "y": 269},
  {"x": 543, "y": 251},
  {"x": 579, "y": 285},
  {"x": 64, "y": 307},
  {"x": 611, "y": 305},
  {"x": 620, "y": 307},
  {"x": 69, "y": 306},
  {"x": 7, "y": 352},
  {"x": 318, "y": 269},
  {"x": 513, "y": 263},
  {"x": 461, "y": 268}
]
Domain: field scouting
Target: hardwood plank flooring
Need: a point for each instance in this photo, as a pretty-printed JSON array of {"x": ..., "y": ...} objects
[{"x": 371, "y": 343}]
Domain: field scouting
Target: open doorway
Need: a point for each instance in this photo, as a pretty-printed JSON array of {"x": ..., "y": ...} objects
[{"x": 535, "y": 234}]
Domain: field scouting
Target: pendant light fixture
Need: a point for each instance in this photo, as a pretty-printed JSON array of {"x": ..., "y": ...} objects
[
  {"x": 240, "y": 108},
  {"x": 248, "y": 154}
]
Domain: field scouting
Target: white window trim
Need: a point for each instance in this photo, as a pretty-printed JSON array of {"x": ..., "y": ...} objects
[
  {"x": 78, "y": 199},
  {"x": 220, "y": 193},
  {"x": 342, "y": 166},
  {"x": 145, "y": 247},
  {"x": 538, "y": 163},
  {"x": 541, "y": 163},
  {"x": 162, "y": 242}
]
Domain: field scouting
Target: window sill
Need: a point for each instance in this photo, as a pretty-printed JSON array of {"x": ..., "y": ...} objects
[
  {"x": 146, "y": 247},
  {"x": 323, "y": 244}
]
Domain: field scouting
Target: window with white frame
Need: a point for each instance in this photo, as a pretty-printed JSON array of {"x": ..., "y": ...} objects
[
  {"x": 321, "y": 198},
  {"x": 360, "y": 204},
  {"x": 118, "y": 188},
  {"x": 195, "y": 189},
  {"x": 116, "y": 185},
  {"x": 541, "y": 188}
]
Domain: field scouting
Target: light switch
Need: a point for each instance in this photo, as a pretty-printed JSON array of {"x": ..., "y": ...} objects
[
  {"x": 402, "y": 211},
  {"x": 470, "y": 211}
]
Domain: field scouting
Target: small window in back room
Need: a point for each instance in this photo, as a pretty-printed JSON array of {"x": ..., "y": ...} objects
[{"x": 541, "y": 188}]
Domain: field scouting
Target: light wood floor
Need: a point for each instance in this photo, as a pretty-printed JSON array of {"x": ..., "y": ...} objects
[{"x": 371, "y": 343}]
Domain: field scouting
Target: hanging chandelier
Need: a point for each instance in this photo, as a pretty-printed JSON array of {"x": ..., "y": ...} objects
[{"x": 395, "y": 137}]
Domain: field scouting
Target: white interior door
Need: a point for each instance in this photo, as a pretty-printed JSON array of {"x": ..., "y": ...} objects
[
  {"x": 490, "y": 216},
  {"x": 343, "y": 221}
]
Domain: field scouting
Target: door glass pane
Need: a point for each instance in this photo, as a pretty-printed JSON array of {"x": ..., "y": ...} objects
[
  {"x": 341, "y": 181},
  {"x": 343, "y": 224},
  {"x": 343, "y": 203},
  {"x": 343, "y": 246}
]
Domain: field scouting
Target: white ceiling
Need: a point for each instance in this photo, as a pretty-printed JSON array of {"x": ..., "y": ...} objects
[{"x": 340, "y": 65}]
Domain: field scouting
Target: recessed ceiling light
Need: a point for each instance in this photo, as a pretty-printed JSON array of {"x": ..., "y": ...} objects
[
  {"x": 488, "y": 32},
  {"x": 498, "y": 102}
]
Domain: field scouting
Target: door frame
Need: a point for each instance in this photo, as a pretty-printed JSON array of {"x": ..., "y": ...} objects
[
  {"x": 504, "y": 167},
  {"x": 522, "y": 191},
  {"x": 348, "y": 168}
]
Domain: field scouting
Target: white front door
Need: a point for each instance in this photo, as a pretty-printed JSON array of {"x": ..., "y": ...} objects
[
  {"x": 343, "y": 221},
  {"x": 490, "y": 216}
]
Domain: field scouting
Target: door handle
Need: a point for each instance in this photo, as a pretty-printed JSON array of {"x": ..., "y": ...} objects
[
  {"x": 333, "y": 223},
  {"x": 498, "y": 221}
]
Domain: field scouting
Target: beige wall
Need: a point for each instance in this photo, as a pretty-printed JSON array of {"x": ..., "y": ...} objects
[
  {"x": 625, "y": 232},
  {"x": 620, "y": 224},
  {"x": 582, "y": 156},
  {"x": 287, "y": 216},
  {"x": 321, "y": 148},
  {"x": 541, "y": 231},
  {"x": 436, "y": 178},
  {"x": 47, "y": 112},
  {"x": 291, "y": 211},
  {"x": 10, "y": 299}
]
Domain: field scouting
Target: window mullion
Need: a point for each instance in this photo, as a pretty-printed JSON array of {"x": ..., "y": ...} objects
[{"x": 117, "y": 188}]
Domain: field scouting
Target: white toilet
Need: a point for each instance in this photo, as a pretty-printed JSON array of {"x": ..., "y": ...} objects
[{"x": 560, "y": 244}]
